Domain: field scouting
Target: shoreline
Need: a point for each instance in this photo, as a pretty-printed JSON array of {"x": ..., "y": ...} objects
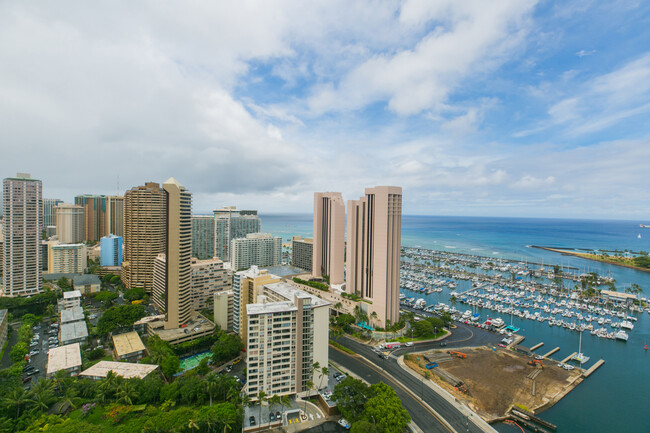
[{"x": 592, "y": 257}]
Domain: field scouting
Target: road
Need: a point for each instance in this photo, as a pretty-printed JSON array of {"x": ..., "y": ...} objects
[{"x": 373, "y": 369}]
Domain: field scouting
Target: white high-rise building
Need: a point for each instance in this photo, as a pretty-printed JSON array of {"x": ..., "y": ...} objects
[
  {"x": 259, "y": 249},
  {"x": 229, "y": 224},
  {"x": 22, "y": 204},
  {"x": 288, "y": 332}
]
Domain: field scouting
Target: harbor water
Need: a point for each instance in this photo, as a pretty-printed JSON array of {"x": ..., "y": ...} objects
[{"x": 614, "y": 398}]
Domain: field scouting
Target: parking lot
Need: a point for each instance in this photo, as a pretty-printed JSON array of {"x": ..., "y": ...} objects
[{"x": 41, "y": 343}]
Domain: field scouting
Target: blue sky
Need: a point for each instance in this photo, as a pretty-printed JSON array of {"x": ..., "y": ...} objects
[{"x": 509, "y": 108}]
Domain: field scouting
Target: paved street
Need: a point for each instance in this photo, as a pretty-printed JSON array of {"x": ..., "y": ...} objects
[{"x": 374, "y": 369}]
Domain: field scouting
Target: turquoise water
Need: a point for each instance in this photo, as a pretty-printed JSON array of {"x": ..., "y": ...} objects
[{"x": 613, "y": 399}]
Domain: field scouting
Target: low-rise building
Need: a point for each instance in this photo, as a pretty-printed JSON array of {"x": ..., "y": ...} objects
[
  {"x": 74, "y": 332},
  {"x": 141, "y": 325},
  {"x": 626, "y": 298},
  {"x": 127, "y": 370},
  {"x": 72, "y": 315},
  {"x": 208, "y": 277},
  {"x": 302, "y": 252},
  {"x": 223, "y": 310},
  {"x": 72, "y": 299},
  {"x": 67, "y": 358},
  {"x": 87, "y": 283},
  {"x": 287, "y": 334},
  {"x": 128, "y": 347}
]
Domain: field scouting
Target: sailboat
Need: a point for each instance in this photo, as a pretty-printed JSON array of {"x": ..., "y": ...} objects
[
  {"x": 639, "y": 236},
  {"x": 580, "y": 357}
]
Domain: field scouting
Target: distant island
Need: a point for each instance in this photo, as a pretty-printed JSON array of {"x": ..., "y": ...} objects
[{"x": 640, "y": 262}]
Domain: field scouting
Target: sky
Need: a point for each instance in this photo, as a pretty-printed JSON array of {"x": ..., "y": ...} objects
[{"x": 510, "y": 108}]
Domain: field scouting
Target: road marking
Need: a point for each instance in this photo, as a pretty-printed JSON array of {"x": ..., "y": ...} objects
[{"x": 425, "y": 406}]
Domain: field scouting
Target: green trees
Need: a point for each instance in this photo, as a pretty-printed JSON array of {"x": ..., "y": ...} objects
[
  {"x": 370, "y": 409},
  {"x": 121, "y": 316},
  {"x": 227, "y": 347},
  {"x": 106, "y": 297},
  {"x": 134, "y": 294}
]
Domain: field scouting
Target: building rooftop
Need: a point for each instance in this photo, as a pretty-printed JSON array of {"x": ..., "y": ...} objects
[
  {"x": 73, "y": 331},
  {"x": 86, "y": 279},
  {"x": 74, "y": 314},
  {"x": 127, "y": 343},
  {"x": 195, "y": 326},
  {"x": 148, "y": 319},
  {"x": 289, "y": 291},
  {"x": 270, "y": 307},
  {"x": 72, "y": 294},
  {"x": 125, "y": 369},
  {"x": 55, "y": 277},
  {"x": 618, "y": 294},
  {"x": 63, "y": 358}
]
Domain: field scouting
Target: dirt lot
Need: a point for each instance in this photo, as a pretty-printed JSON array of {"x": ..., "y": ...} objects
[{"x": 499, "y": 379}]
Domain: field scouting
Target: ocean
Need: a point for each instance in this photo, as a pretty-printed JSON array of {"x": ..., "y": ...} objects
[{"x": 615, "y": 397}]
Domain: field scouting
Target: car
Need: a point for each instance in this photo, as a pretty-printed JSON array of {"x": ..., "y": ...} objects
[
  {"x": 344, "y": 423},
  {"x": 229, "y": 368},
  {"x": 236, "y": 361},
  {"x": 34, "y": 352},
  {"x": 271, "y": 417},
  {"x": 443, "y": 343},
  {"x": 502, "y": 345},
  {"x": 251, "y": 420},
  {"x": 408, "y": 344},
  {"x": 27, "y": 379}
]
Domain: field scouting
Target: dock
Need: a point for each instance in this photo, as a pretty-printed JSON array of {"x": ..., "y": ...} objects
[
  {"x": 537, "y": 346},
  {"x": 593, "y": 368},
  {"x": 551, "y": 352},
  {"x": 568, "y": 358}
]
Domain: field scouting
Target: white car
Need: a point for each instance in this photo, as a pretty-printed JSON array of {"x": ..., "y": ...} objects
[
  {"x": 408, "y": 344},
  {"x": 344, "y": 423}
]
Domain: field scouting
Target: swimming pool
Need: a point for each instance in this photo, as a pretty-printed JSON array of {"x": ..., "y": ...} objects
[{"x": 193, "y": 361}]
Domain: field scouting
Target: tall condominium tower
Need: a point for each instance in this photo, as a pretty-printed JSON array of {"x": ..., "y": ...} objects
[
  {"x": 178, "y": 252},
  {"x": 203, "y": 236},
  {"x": 49, "y": 211},
  {"x": 373, "y": 250},
  {"x": 94, "y": 215},
  {"x": 329, "y": 236},
  {"x": 111, "y": 251},
  {"x": 70, "y": 223},
  {"x": 259, "y": 249},
  {"x": 144, "y": 234},
  {"x": 230, "y": 224},
  {"x": 114, "y": 215},
  {"x": 22, "y": 204}
]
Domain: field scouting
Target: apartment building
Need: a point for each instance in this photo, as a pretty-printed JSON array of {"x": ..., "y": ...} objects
[
  {"x": 94, "y": 216},
  {"x": 110, "y": 250},
  {"x": 246, "y": 286},
  {"x": 224, "y": 309},
  {"x": 22, "y": 267},
  {"x": 229, "y": 224},
  {"x": 208, "y": 277},
  {"x": 49, "y": 211},
  {"x": 287, "y": 333},
  {"x": 203, "y": 236},
  {"x": 301, "y": 253},
  {"x": 115, "y": 215},
  {"x": 66, "y": 258},
  {"x": 256, "y": 249}
]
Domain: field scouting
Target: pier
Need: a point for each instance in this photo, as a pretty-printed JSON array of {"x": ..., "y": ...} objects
[
  {"x": 568, "y": 358},
  {"x": 551, "y": 352},
  {"x": 537, "y": 346},
  {"x": 593, "y": 368}
]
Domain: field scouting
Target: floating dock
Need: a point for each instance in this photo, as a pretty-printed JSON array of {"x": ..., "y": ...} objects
[
  {"x": 568, "y": 358},
  {"x": 551, "y": 352},
  {"x": 537, "y": 346},
  {"x": 593, "y": 368}
]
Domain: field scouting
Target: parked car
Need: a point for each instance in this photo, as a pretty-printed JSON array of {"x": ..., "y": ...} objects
[
  {"x": 408, "y": 344},
  {"x": 251, "y": 420},
  {"x": 443, "y": 343},
  {"x": 344, "y": 423},
  {"x": 271, "y": 417}
]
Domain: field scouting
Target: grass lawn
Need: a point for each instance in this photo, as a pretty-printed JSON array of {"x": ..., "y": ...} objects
[{"x": 406, "y": 339}]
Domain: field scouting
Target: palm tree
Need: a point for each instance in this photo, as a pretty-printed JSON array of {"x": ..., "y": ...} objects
[
  {"x": 17, "y": 397},
  {"x": 41, "y": 395},
  {"x": 284, "y": 401},
  {"x": 261, "y": 397},
  {"x": 70, "y": 398},
  {"x": 324, "y": 372},
  {"x": 211, "y": 385},
  {"x": 273, "y": 401},
  {"x": 125, "y": 393}
]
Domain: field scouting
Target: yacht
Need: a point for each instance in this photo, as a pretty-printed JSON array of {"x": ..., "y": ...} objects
[{"x": 621, "y": 335}]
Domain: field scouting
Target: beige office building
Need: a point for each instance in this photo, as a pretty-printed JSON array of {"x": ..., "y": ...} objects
[
  {"x": 22, "y": 205},
  {"x": 288, "y": 331},
  {"x": 115, "y": 215},
  {"x": 70, "y": 223},
  {"x": 144, "y": 234},
  {"x": 246, "y": 286},
  {"x": 373, "y": 250},
  {"x": 329, "y": 236},
  {"x": 66, "y": 258}
]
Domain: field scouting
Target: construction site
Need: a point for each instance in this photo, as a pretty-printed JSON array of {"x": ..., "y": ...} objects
[{"x": 494, "y": 381}]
